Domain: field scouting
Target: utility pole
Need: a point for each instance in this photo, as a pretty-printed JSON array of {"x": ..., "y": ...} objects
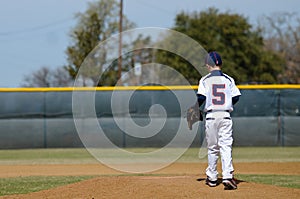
[{"x": 120, "y": 42}]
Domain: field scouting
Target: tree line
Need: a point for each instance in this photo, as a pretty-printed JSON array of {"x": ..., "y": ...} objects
[{"x": 267, "y": 53}]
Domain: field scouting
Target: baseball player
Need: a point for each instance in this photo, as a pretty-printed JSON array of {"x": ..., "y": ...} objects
[{"x": 220, "y": 93}]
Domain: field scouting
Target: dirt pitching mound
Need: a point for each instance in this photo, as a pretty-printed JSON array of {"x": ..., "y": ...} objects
[
  {"x": 159, "y": 187},
  {"x": 180, "y": 180}
]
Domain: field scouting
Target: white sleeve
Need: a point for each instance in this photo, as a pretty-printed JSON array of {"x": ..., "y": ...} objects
[
  {"x": 234, "y": 89},
  {"x": 202, "y": 88}
]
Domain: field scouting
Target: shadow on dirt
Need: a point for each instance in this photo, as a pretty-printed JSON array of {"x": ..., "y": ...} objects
[{"x": 219, "y": 181}]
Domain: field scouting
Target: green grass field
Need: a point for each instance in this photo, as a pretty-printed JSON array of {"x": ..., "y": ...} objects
[
  {"x": 23, "y": 185},
  {"x": 277, "y": 180},
  {"x": 81, "y": 156}
]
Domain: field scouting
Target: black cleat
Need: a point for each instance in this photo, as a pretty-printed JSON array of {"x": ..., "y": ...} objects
[
  {"x": 229, "y": 184},
  {"x": 210, "y": 183}
]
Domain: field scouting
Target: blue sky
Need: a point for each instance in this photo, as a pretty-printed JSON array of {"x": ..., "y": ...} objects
[{"x": 35, "y": 33}]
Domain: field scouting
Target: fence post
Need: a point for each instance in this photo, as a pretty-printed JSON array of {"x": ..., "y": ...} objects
[
  {"x": 280, "y": 137},
  {"x": 45, "y": 119}
]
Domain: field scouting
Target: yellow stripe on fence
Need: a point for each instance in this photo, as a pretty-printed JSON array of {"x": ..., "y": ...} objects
[
  {"x": 125, "y": 88},
  {"x": 270, "y": 86},
  {"x": 104, "y": 88}
]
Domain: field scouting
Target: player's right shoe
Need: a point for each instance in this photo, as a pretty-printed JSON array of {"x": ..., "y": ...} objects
[
  {"x": 229, "y": 184},
  {"x": 210, "y": 183}
]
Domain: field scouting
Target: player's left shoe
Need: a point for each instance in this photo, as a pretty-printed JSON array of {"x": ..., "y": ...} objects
[
  {"x": 229, "y": 184},
  {"x": 210, "y": 183}
]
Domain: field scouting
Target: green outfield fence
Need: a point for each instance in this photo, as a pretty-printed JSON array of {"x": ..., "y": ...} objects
[{"x": 266, "y": 115}]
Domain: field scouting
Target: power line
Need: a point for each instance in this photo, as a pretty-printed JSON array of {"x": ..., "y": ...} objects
[
  {"x": 36, "y": 28},
  {"x": 147, "y": 4},
  {"x": 120, "y": 40}
]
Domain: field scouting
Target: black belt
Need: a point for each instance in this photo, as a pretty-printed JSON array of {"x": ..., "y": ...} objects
[
  {"x": 211, "y": 118},
  {"x": 209, "y": 111}
]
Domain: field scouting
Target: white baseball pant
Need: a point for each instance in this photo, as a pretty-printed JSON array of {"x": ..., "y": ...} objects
[{"x": 219, "y": 142}]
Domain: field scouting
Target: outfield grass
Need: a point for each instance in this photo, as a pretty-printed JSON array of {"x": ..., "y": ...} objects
[
  {"x": 251, "y": 154},
  {"x": 23, "y": 185},
  {"x": 277, "y": 180},
  {"x": 82, "y": 156},
  {"x": 46, "y": 156},
  {"x": 266, "y": 154}
]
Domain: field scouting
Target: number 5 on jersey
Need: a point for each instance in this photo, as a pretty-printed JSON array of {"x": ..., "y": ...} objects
[{"x": 218, "y": 94}]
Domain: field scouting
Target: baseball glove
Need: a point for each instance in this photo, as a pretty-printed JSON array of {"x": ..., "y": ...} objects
[{"x": 193, "y": 115}]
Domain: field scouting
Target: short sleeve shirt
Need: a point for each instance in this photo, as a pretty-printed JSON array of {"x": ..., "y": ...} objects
[{"x": 218, "y": 88}]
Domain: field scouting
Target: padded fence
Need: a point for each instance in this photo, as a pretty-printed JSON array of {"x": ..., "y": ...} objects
[{"x": 42, "y": 118}]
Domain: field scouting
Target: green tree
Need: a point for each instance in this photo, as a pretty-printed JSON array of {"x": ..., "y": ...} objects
[
  {"x": 96, "y": 24},
  {"x": 242, "y": 48}
]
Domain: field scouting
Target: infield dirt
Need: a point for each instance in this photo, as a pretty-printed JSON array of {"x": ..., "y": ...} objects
[{"x": 179, "y": 180}]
